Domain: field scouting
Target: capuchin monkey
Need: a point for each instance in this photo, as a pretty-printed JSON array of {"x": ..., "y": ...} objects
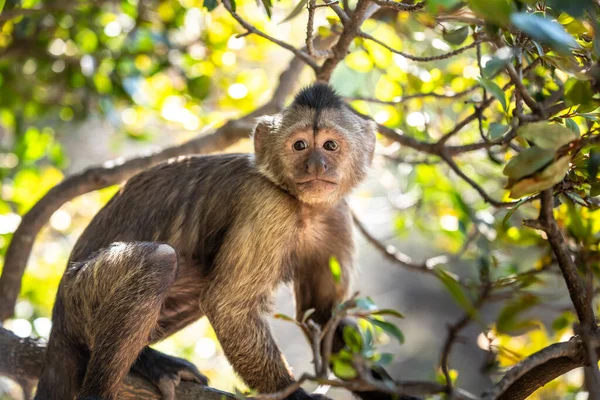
[{"x": 213, "y": 236}]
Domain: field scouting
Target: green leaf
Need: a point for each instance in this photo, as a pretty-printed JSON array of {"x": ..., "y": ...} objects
[
  {"x": 497, "y": 62},
  {"x": 384, "y": 359},
  {"x": 456, "y": 291},
  {"x": 575, "y": 8},
  {"x": 456, "y": 36},
  {"x": 546, "y": 135},
  {"x": 565, "y": 320},
  {"x": 211, "y": 4},
  {"x": 508, "y": 321},
  {"x": 199, "y": 87},
  {"x": 578, "y": 92},
  {"x": 512, "y": 211},
  {"x": 2, "y": 3},
  {"x": 495, "y": 90},
  {"x": 435, "y": 6},
  {"x": 366, "y": 304},
  {"x": 588, "y": 107},
  {"x": 336, "y": 269},
  {"x": 268, "y": 7},
  {"x": 594, "y": 163},
  {"x": 576, "y": 225},
  {"x": 388, "y": 311},
  {"x": 545, "y": 179},
  {"x": 572, "y": 125},
  {"x": 284, "y": 317},
  {"x": 388, "y": 328},
  {"x": 352, "y": 339},
  {"x": 296, "y": 11},
  {"x": 545, "y": 31},
  {"x": 307, "y": 314},
  {"x": 528, "y": 162},
  {"x": 595, "y": 190},
  {"x": 344, "y": 369},
  {"x": 496, "y": 130},
  {"x": 495, "y": 11}
]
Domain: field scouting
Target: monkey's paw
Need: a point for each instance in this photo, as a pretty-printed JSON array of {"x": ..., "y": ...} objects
[{"x": 166, "y": 372}]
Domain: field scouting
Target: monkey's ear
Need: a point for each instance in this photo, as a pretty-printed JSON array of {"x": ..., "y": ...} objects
[
  {"x": 370, "y": 129},
  {"x": 261, "y": 132},
  {"x": 370, "y": 126}
]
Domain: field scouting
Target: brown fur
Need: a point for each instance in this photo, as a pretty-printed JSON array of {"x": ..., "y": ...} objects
[{"x": 235, "y": 227}]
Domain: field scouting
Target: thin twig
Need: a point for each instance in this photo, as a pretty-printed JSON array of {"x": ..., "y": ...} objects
[
  {"x": 416, "y": 96},
  {"x": 400, "y": 6},
  {"x": 418, "y": 58},
  {"x": 252, "y": 29},
  {"x": 395, "y": 255},
  {"x": 455, "y": 329},
  {"x": 475, "y": 185},
  {"x": 312, "y": 6}
]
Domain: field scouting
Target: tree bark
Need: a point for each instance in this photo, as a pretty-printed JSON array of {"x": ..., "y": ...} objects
[{"x": 22, "y": 360}]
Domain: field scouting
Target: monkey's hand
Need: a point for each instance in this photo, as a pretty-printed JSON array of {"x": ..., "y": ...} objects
[{"x": 165, "y": 371}]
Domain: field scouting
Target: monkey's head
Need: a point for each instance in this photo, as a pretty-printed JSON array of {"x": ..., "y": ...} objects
[{"x": 316, "y": 149}]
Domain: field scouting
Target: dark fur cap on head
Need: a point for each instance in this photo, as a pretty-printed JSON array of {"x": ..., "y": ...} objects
[{"x": 318, "y": 96}]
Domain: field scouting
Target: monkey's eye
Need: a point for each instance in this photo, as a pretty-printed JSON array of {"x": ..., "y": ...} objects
[
  {"x": 300, "y": 145},
  {"x": 330, "y": 145}
]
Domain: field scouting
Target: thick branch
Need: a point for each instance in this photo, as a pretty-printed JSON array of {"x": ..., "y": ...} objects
[
  {"x": 340, "y": 50},
  {"x": 577, "y": 292},
  {"x": 539, "y": 369},
  {"x": 23, "y": 359},
  {"x": 547, "y": 223}
]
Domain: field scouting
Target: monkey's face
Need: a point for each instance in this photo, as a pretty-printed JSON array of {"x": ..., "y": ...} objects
[
  {"x": 316, "y": 158},
  {"x": 313, "y": 160},
  {"x": 316, "y": 149}
]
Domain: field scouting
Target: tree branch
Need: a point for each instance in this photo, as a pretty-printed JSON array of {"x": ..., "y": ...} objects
[
  {"x": 577, "y": 292},
  {"x": 415, "y": 96},
  {"x": 340, "y": 50},
  {"x": 547, "y": 223},
  {"x": 396, "y": 256},
  {"x": 417, "y": 58},
  {"x": 23, "y": 359},
  {"x": 540, "y": 368},
  {"x": 251, "y": 29},
  {"x": 400, "y": 6}
]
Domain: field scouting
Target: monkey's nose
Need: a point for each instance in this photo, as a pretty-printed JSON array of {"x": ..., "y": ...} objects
[{"x": 316, "y": 167}]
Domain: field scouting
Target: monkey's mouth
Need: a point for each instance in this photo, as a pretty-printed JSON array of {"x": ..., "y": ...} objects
[
  {"x": 316, "y": 186},
  {"x": 316, "y": 182}
]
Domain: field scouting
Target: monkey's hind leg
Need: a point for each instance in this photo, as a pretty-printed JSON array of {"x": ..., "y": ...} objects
[
  {"x": 166, "y": 371},
  {"x": 126, "y": 285}
]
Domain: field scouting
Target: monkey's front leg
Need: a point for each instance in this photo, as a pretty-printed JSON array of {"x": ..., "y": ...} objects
[{"x": 250, "y": 348}]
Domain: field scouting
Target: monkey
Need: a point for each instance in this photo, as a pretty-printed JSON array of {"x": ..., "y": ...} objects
[{"x": 214, "y": 236}]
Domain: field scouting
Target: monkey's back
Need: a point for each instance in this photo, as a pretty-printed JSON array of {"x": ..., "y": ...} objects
[{"x": 188, "y": 203}]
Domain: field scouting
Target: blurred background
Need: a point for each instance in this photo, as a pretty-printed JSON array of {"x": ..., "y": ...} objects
[{"x": 84, "y": 84}]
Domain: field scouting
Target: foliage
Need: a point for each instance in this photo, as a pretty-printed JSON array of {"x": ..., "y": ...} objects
[{"x": 517, "y": 79}]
